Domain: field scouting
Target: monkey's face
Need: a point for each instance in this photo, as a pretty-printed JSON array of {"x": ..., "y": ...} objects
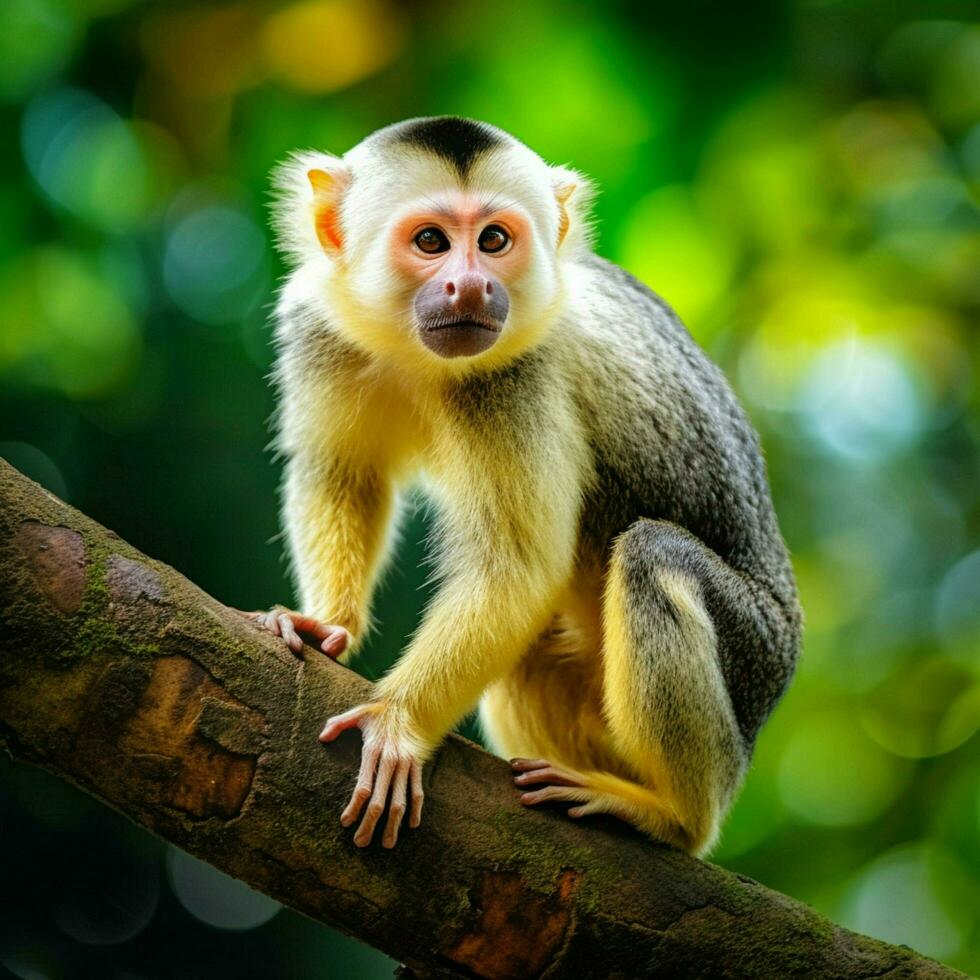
[
  {"x": 456, "y": 271},
  {"x": 457, "y": 255},
  {"x": 445, "y": 239}
]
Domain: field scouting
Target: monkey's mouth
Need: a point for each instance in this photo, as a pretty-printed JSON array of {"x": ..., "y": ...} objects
[
  {"x": 459, "y": 336},
  {"x": 494, "y": 326}
]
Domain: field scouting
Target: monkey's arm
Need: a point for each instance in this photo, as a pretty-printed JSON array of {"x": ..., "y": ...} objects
[
  {"x": 476, "y": 628},
  {"x": 338, "y": 495},
  {"x": 336, "y": 514},
  {"x": 508, "y": 550}
]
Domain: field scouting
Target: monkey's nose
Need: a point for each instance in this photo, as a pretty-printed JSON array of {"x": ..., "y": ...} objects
[{"x": 469, "y": 288}]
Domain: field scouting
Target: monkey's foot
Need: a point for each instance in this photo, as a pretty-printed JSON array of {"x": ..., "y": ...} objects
[
  {"x": 562, "y": 785},
  {"x": 283, "y": 622}
]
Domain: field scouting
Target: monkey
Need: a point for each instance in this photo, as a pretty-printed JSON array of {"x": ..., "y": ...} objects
[{"x": 614, "y": 593}]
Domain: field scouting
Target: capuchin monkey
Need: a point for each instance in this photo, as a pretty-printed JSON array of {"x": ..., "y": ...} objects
[{"x": 614, "y": 590}]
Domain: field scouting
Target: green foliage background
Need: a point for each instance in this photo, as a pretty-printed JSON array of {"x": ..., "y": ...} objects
[{"x": 798, "y": 178}]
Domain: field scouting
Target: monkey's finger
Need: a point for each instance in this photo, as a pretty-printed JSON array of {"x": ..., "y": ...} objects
[
  {"x": 557, "y": 777},
  {"x": 376, "y": 806},
  {"x": 337, "y": 635},
  {"x": 363, "y": 786},
  {"x": 269, "y": 622},
  {"x": 396, "y": 806},
  {"x": 288, "y": 633},
  {"x": 336, "y": 641},
  {"x": 556, "y": 794},
  {"x": 308, "y": 624},
  {"x": 349, "y": 719},
  {"x": 418, "y": 796}
]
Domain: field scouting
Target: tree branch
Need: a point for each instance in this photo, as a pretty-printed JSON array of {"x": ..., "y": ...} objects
[{"x": 126, "y": 679}]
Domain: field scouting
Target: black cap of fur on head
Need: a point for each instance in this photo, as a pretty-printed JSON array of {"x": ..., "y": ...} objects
[{"x": 458, "y": 141}]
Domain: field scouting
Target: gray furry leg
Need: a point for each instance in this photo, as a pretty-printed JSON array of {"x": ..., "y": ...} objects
[{"x": 665, "y": 696}]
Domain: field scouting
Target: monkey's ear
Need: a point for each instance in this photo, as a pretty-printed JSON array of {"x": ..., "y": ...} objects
[
  {"x": 573, "y": 194},
  {"x": 309, "y": 190},
  {"x": 563, "y": 193},
  {"x": 328, "y": 191}
]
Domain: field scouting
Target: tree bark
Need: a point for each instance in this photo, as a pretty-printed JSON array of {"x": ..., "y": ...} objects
[{"x": 123, "y": 677}]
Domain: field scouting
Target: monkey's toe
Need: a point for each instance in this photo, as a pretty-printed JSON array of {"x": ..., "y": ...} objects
[
  {"x": 556, "y": 784},
  {"x": 559, "y": 784},
  {"x": 557, "y": 794},
  {"x": 530, "y": 772}
]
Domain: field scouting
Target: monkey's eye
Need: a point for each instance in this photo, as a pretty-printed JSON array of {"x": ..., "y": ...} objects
[
  {"x": 493, "y": 238},
  {"x": 432, "y": 241}
]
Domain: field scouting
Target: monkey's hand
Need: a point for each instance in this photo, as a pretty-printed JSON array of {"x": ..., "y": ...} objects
[
  {"x": 390, "y": 758},
  {"x": 279, "y": 621}
]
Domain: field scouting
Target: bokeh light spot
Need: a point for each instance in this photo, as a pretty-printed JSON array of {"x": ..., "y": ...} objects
[
  {"x": 325, "y": 45},
  {"x": 65, "y": 325},
  {"x": 831, "y": 774},
  {"x": 905, "y": 897},
  {"x": 668, "y": 244},
  {"x": 593, "y": 71},
  {"x": 928, "y": 708},
  {"x": 880, "y": 144},
  {"x": 214, "y": 897},
  {"x": 86, "y": 158},
  {"x": 830, "y": 593},
  {"x": 813, "y": 308},
  {"x": 762, "y": 179},
  {"x": 861, "y": 402},
  {"x": 958, "y": 604},
  {"x": 204, "y": 51},
  {"x": 36, "y": 39},
  {"x": 214, "y": 264},
  {"x": 30, "y": 963}
]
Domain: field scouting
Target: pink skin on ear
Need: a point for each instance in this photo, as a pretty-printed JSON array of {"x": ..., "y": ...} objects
[
  {"x": 563, "y": 195},
  {"x": 327, "y": 189}
]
